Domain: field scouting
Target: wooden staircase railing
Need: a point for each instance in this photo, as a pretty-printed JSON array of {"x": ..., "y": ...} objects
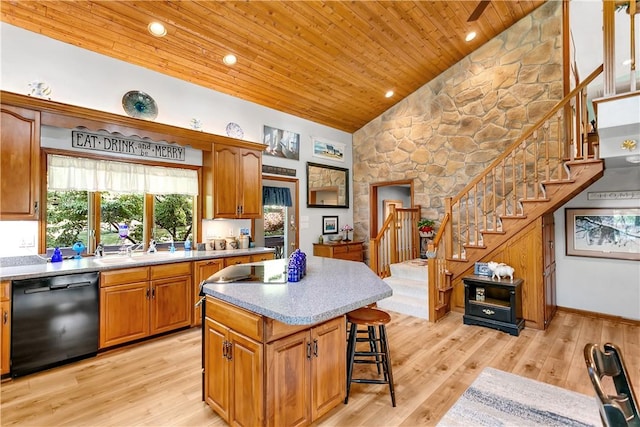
[
  {"x": 397, "y": 240},
  {"x": 524, "y": 175}
]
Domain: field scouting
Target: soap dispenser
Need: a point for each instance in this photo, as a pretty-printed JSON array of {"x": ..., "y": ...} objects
[{"x": 187, "y": 245}]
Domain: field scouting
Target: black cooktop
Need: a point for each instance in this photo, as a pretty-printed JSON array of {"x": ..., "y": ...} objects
[{"x": 273, "y": 271}]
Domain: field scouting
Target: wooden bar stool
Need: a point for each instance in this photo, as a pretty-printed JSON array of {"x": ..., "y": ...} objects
[{"x": 378, "y": 353}]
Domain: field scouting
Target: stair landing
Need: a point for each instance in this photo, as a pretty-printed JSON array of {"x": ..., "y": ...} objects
[{"x": 409, "y": 282}]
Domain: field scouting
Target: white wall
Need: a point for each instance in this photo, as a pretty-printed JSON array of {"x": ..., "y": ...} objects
[
  {"x": 600, "y": 285},
  {"x": 80, "y": 77}
]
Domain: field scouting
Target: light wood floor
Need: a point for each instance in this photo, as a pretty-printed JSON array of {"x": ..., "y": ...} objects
[{"x": 158, "y": 383}]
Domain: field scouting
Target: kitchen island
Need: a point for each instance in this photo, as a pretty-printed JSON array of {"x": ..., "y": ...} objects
[{"x": 274, "y": 354}]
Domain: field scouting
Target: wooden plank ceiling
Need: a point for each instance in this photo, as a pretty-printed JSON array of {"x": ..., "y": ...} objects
[{"x": 327, "y": 61}]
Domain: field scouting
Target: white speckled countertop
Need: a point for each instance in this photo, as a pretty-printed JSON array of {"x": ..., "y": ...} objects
[
  {"x": 331, "y": 288},
  {"x": 113, "y": 262}
]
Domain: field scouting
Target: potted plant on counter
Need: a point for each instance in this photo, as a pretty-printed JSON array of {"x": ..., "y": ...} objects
[{"x": 426, "y": 227}]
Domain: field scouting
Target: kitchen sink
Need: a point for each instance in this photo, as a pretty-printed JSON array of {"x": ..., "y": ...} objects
[
  {"x": 114, "y": 259},
  {"x": 136, "y": 257}
]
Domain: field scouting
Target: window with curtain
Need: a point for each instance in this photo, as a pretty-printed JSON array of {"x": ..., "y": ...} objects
[
  {"x": 78, "y": 173},
  {"x": 87, "y": 199}
]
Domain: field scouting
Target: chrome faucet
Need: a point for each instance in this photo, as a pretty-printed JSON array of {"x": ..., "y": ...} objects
[
  {"x": 131, "y": 249},
  {"x": 99, "y": 250}
]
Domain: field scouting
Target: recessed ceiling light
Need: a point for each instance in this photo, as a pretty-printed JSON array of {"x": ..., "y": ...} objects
[
  {"x": 157, "y": 29},
  {"x": 389, "y": 94},
  {"x": 230, "y": 59},
  {"x": 472, "y": 35}
]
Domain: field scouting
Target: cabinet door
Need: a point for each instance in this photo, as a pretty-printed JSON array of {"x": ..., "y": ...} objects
[
  {"x": 328, "y": 366},
  {"x": 226, "y": 180},
  {"x": 246, "y": 379},
  {"x": 201, "y": 271},
  {"x": 19, "y": 163},
  {"x": 549, "y": 267},
  {"x": 250, "y": 196},
  {"x": 170, "y": 304},
  {"x": 5, "y": 337},
  {"x": 216, "y": 368},
  {"x": 124, "y": 313},
  {"x": 288, "y": 389}
]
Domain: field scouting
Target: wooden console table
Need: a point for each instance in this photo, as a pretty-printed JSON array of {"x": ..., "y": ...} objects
[
  {"x": 351, "y": 251},
  {"x": 493, "y": 303}
]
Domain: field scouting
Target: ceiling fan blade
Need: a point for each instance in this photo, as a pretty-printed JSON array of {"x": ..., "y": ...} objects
[{"x": 478, "y": 10}]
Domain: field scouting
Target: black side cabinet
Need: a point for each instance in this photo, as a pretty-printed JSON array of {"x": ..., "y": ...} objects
[{"x": 493, "y": 303}]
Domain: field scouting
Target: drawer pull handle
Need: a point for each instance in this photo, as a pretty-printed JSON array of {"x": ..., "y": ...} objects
[{"x": 488, "y": 311}]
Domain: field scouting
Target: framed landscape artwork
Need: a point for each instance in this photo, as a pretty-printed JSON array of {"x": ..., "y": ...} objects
[
  {"x": 329, "y": 225},
  {"x": 328, "y": 150},
  {"x": 603, "y": 233},
  {"x": 281, "y": 143}
]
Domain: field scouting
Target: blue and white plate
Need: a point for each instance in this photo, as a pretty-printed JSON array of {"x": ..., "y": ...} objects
[
  {"x": 139, "y": 105},
  {"x": 235, "y": 131}
]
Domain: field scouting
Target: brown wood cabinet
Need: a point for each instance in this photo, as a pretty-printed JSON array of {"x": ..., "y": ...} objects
[
  {"x": 234, "y": 382},
  {"x": 351, "y": 251},
  {"x": 19, "y": 163},
  {"x": 549, "y": 267},
  {"x": 5, "y": 327},
  {"x": 143, "y": 301},
  {"x": 303, "y": 366},
  {"x": 233, "y": 181},
  {"x": 201, "y": 271},
  {"x": 302, "y": 380},
  {"x": 531, "y": 254}
]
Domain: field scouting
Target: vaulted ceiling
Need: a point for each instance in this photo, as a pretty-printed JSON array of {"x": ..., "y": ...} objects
[{"x": 327, "y": 61}]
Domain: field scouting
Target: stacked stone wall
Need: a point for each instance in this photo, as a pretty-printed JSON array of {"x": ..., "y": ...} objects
[{"x": 448, "y": 131}]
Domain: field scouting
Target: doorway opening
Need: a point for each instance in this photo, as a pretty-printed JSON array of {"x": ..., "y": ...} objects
[
  {"x": 384, "y": 194},
  {"x": 278, "y": 227}
]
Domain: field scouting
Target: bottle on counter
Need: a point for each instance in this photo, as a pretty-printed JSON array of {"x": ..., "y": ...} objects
[
  {"x": 187, "y": 245},
  {"x": 57, "y": 255}
]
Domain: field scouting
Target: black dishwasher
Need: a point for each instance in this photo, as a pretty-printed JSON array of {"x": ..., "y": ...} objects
[{"x": 55, "y": 320}]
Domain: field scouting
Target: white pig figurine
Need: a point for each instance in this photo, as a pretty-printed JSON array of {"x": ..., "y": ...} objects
[{"x": 500, "y": 270}]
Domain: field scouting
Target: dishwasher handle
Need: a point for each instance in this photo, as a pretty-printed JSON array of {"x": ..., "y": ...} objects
[{"x": 54, "y": 287}]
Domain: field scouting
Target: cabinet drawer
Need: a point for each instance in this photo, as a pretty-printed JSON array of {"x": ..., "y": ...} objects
[
  {"x": 490, "y": 311},
  {"x": 125, "y": 275},
  {"x": 236, "y": 318},
  {"x": 351, "y": 256},
  {"x": 237, "y": 260},
  {"x": 170, "y": 270},
  {"x": 5, "y": 290},
  {"x": 262, "y": 257}
]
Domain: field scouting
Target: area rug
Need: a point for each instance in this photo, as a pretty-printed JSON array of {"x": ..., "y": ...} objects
[{"x": 498, "y": 398}]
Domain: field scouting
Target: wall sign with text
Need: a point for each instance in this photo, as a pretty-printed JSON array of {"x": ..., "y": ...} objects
[{"x": 126, "y": 145}]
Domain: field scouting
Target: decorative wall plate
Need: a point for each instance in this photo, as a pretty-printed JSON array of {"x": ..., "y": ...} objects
[
  {"x": 139, "y": 105},
  {"x": 235, "y": 131}
]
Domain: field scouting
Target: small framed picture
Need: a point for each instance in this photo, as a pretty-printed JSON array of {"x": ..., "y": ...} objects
[
  {"x": 479, "y": 294},
  {"x": 329, "y": 225},
  {"x": 481, "y": 269}
]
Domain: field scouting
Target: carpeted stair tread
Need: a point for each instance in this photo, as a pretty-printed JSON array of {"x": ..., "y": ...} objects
[
  {"x": 407, "y": 287},
  {"x": 405, "y": 305},
  {"x": 415, "y": 269}
]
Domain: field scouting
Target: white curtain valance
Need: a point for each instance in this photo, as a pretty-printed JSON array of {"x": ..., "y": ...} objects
[{"x": 77, "y": 173}]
